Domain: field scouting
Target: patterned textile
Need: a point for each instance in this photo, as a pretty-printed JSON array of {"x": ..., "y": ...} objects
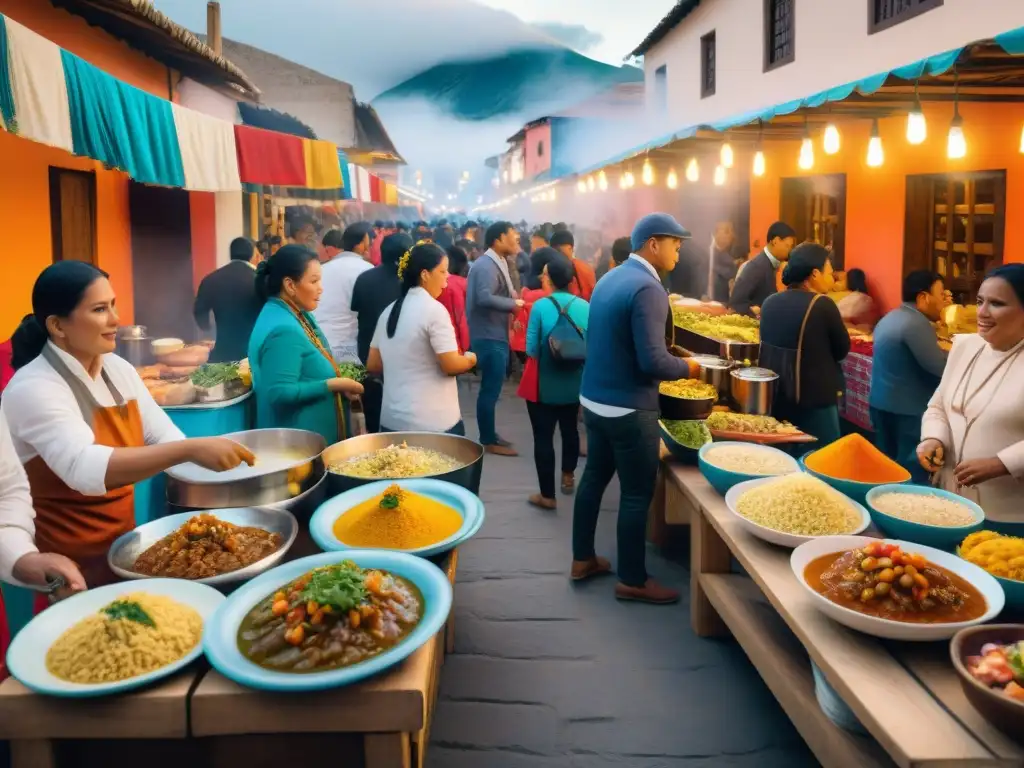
[{"x": 854, "y": 405}]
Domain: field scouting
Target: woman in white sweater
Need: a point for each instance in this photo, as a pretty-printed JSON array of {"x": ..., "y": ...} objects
[{"x": 973, "y": 431}]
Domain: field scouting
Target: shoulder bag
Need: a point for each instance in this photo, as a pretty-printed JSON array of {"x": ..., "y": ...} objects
[{"x": 566, "y": 342}]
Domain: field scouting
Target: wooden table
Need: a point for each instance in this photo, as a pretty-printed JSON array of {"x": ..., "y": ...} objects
[
  {"x": 670, "y": 505},
  {"x": 200, "y": 719},
  {"x": 905, "y": 694}
]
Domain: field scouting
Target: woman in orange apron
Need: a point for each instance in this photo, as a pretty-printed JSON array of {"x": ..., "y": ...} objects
[{"x": 84, "y": 424}]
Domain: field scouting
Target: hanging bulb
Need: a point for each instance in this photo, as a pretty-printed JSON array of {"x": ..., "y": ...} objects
[
  {"x": 759, "y": 163},
  {"x": 719, "y": 175},
  {"x": 831, "y": 140},
  {"x": 673, "y": 181},
  {"x": 623, "y": 183},
  {"x": 692, "y": 170},
  {"x": 590, "y": 184},
  {"x": 1022, "y": 141},
  {"x": 648, "y": 173},
  {"x": 727, "y": 155},
  {"x": 956, "y": 144},
  {"x": 602, "y": 181},
  {"x": 630, "y": 181},
  {"x": 581, "y": 187},
  {"x": 806, "y": 161},
  {"x": 876, "y": 155},
  {"x": 917, "y": 126}
]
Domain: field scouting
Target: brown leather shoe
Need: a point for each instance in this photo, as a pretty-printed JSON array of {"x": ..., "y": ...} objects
[
  {"x": 501, "y": 450},
  {"x": 651, "y": 592},
  {"x": 543, "y": 503},
  {"x": 568, "y": 483},
  {"x": 586, "y": 569}
]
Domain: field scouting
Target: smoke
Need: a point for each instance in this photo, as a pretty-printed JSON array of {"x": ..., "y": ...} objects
[{"x": 576, "y": 36}]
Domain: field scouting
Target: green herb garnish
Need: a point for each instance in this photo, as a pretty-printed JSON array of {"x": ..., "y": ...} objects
[
  {"x": 128, "y": 610},
  {"x": 690, "y": 434},
  {"x": 340, "y": 586},
  {"x": 211, "y": 374},
  {"x": 392, "y": 497},
  {"x": 352, "y": 371}
]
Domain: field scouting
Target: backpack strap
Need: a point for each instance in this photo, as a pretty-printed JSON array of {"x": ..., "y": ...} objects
[{"x": 564, "y": 312}]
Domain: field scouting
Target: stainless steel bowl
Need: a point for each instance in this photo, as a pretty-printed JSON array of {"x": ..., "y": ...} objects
[
  {"x": 714, "y": 370},
  {"x": 126, "y": 549},
  {"x": 739, "y": 351},
  {"x": 192, "y": 489},
  {"x": 753, "y": 390},
  {"x": 462, "y": 448}
]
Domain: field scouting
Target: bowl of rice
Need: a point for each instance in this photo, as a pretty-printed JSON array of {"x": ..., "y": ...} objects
[
  {"x": 924, "y": 515},
  {"x": 113, "y": 638},
  {"x": 795, "y": 508},
  {"x": 725, "y": 464}
]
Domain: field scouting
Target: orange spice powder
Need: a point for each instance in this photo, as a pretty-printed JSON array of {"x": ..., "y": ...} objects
[{"x": 854, "y": 458}]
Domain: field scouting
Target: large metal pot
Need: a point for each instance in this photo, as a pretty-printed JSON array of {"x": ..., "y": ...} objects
[
  {"x": 741, "y": 352},
  {"x": 133, "y": 344},
  {"x": 715, "y": 371},
  {"x": 753, "y": 390},
  {"x": 193, "y": 487},
  {"x": 462, "y": 448}
]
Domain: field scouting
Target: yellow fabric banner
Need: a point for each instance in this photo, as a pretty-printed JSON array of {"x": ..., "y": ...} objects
[{"x": 323, "y": 171}]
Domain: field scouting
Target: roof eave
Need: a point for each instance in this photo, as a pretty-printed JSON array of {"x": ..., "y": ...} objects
[{"x": 679, "y": 11}]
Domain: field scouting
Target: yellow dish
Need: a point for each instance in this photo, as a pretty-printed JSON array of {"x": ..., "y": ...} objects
[{"x": 397, "y": 519}]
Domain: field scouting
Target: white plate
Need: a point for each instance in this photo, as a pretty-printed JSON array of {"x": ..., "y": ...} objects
[
  {"x": 26, "y": 657},
  {"x": 781, "y": 538},
  {"x": 897, "y": 630}
]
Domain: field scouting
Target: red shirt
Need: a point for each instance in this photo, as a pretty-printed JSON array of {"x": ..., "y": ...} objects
[
  {"x": 454, "y": 299},
  {"x": 585, "y": 281},
  {"x": 517, "y": 340}
]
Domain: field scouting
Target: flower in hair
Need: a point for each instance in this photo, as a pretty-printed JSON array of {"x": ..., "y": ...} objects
[{"x": 403, "y": 263}]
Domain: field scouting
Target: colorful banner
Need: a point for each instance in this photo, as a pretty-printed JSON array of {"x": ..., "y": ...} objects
[
  {"x": 273, "y": 159},
  {"x": 322, "y": 168},
  {"x": 38, "y": 91},
  {"x": 209, "y": 154}
]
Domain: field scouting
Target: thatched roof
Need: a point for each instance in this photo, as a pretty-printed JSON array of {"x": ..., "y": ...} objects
[{"x": 146, "y": 29}]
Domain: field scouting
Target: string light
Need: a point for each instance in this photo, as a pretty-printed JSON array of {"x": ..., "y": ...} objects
[
  {"x": 876, "y": 156},
  {"x": 581, "y": 187},
  {"x": 719, "y": 175},
  {"x": 956, "y": 144},
  {"x": 727, "y": 158},
  {"x": 630, "y": 181},
  {"x": 602, "y": 181},
  {"x": 917, "y": 126},
  {"x": 692, "y": 170},
  {"x": 647, "y": 174},
  {"x": 831, "y": 140},
  {"x": 590, "y": 184},
  {"x": 806, "y": 160},
  {"x": 759, "y": 163},
  {"x": 673, "y": 181},
  {"x": 623, "y": 182},
  {"x": 1022, "y": 141}
]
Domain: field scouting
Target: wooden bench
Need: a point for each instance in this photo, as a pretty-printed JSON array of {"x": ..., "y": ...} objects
[{"x": 906, "y": 695}]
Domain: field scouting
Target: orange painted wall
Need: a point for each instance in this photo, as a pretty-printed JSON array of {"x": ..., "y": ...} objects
[{"x": 876, "y": 197}]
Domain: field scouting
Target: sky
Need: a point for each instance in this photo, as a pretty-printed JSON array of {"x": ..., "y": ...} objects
[{"x": 603, "y": 29}]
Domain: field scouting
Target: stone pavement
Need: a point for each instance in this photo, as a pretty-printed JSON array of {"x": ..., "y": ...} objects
[{"x": 547, "y": 674}]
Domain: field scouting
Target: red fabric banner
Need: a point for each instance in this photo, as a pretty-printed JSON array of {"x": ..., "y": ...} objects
[
  {"x": 376, "y": 193},
  {"x": 267, "y": 157}
]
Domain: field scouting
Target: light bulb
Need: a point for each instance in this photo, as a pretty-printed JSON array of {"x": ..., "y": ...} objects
[
  {"x": 623, "y": 183},
  {"x": 648, "y": 173},
  {"x": 673, "y": 181},
  {"x": 602, "y": 181},
  {"x": 956, "y": 144},
  {"x": 876, "y": 156},
  {"x": 759, "y": 163},
  {"x": 581, "y": 186},
  {"x": 1022, "y": 141},
  {"x": 727, "y": 156},
  {"x": 806, "y": 161},
  {"x": 719, "y": 175},
  {"x": 692, "y": 170},
  {"x": 917, "y": 126},
  {"x": 551, "y": 194},
  {"x": 590, "y": 184},
  {"x": 630, "y": 181},
  {"x": 831, "y": 140}
]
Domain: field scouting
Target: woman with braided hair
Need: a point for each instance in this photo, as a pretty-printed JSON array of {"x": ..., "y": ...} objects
[{"x": 415, "y": 349}]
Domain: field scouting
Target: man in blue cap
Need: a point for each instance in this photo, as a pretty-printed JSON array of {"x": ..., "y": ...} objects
[{"x": 627, "y": 358}]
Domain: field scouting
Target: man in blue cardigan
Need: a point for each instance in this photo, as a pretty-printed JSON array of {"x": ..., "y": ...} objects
[{"x": 627, "y": 358}]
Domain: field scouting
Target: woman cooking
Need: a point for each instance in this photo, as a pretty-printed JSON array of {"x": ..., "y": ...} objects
[
  {"x": 83, "y": 423},
  {"x": 973, "y": 431}
]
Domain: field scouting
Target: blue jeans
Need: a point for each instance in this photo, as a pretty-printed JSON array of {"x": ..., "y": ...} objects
[
  {"x": 492, "y": 362},
  {"x": 459, "y": 429}
]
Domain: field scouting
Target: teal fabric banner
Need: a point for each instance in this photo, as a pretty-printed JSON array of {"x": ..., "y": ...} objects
[
  {"x": 6, "y": 92},
  {"x": 122, "y": 126},
  {"x": 346, "y": 177}
]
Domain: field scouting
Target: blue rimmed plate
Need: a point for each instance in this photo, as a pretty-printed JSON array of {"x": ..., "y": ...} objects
[
  {"x": 220, "y": 641},
  {"x": 466, "y": 503},
  {"x": 26, "y": 658}
]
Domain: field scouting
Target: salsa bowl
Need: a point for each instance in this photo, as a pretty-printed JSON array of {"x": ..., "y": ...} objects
[{"x": 1004, "y": 713}]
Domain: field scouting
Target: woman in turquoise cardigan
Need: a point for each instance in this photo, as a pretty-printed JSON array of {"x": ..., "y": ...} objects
[
  {"x": 294, "y": 377},
  {"x": 556, "y": 401}
]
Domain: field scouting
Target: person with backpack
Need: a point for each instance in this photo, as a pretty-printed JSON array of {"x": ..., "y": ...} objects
[{"x": 556, "y": 347}]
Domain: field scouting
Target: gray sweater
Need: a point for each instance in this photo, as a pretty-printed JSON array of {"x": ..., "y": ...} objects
[
  {"x": 489, "y": 303},
  {"x": 907, "y": 364}
]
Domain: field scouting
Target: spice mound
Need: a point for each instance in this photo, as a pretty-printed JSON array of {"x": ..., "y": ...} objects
[
  {"x": 801, "y": 505},
  {"x": 397, "y": 519},
  {"x": 397, "y": 461},
  {"x": 132, "y": 636},
  {"x": 206, "y": 546},
  {"x": 689, "y": 434},
  {"x": 1000, "y": 555},
  {"x": 924, "y": 509},
  {"x": 689, "y": 389},
  {"x": 854, "y": 458},
  {"x": 748, "y": 460},
  {"x": 721, "y": 421}
]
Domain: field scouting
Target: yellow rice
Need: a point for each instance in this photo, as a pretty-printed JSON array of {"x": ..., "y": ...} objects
[
  {"x": 799, "y": 504},
  {"x": 102, "y": 650},
  {"x": 748, "y": 460}
]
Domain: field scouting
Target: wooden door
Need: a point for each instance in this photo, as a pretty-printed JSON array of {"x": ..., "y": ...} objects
[
  {"x": 815, "y": 207},
  {"x": 73, "y": 215}
]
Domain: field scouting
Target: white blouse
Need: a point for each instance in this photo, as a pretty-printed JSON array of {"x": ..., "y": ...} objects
[
  {"x": 45, "y": 419},
  {"x": 17, "y": 518},
  {"x": 997, "y": 413}
]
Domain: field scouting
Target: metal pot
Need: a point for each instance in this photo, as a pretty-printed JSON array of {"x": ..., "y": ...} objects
[
  {"x": 462, "y": 448},
  {"x": 715, "y": 371},
  {"x": 192, "y": 487},
  {"x": 753, "y": 390},
  {"x": 739, "y": 351},
  {"x": 133, "y": 345}
]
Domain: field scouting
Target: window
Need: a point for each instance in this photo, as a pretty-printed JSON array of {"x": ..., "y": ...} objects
[
  {"x": 707, "y": 65},
  {"x": 540, "y": 149},
  {"x": 883, "y": 14},
  {"x": 661, "y": 89},
  {"x": 816, "y": 208},
  {"x": 73, "y": 215},
  {"x": 779, "y": 41}
]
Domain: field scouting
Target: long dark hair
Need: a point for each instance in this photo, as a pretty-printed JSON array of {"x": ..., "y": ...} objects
[
  {"x": 425, "y": 256},
  {"x": 57, "y": 291},
  {"x": 804, "y": 259},
  {"x": 538, "y": 260},
  {"x": 289, "y": 262}
]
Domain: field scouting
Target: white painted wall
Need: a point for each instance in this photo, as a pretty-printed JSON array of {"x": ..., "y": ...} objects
[
  {"x": 208, "y": 101},
  {"x": 832, "y": 47},
  {"x": 229, "y": 223}
]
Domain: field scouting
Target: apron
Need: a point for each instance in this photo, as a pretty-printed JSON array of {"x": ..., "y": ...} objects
[{"x": 69, "y": 523}]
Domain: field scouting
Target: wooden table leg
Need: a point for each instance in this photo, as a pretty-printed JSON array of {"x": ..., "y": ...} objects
[
  {"x": 657, "y": 528},
  {"x": 32, "y": 753},
  {"x": 387, "y": 750},
  {"x": 708, "y": 554}
]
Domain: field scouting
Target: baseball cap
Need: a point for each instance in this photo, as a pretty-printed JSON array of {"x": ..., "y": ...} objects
[{"x": 657, "y": 225}]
